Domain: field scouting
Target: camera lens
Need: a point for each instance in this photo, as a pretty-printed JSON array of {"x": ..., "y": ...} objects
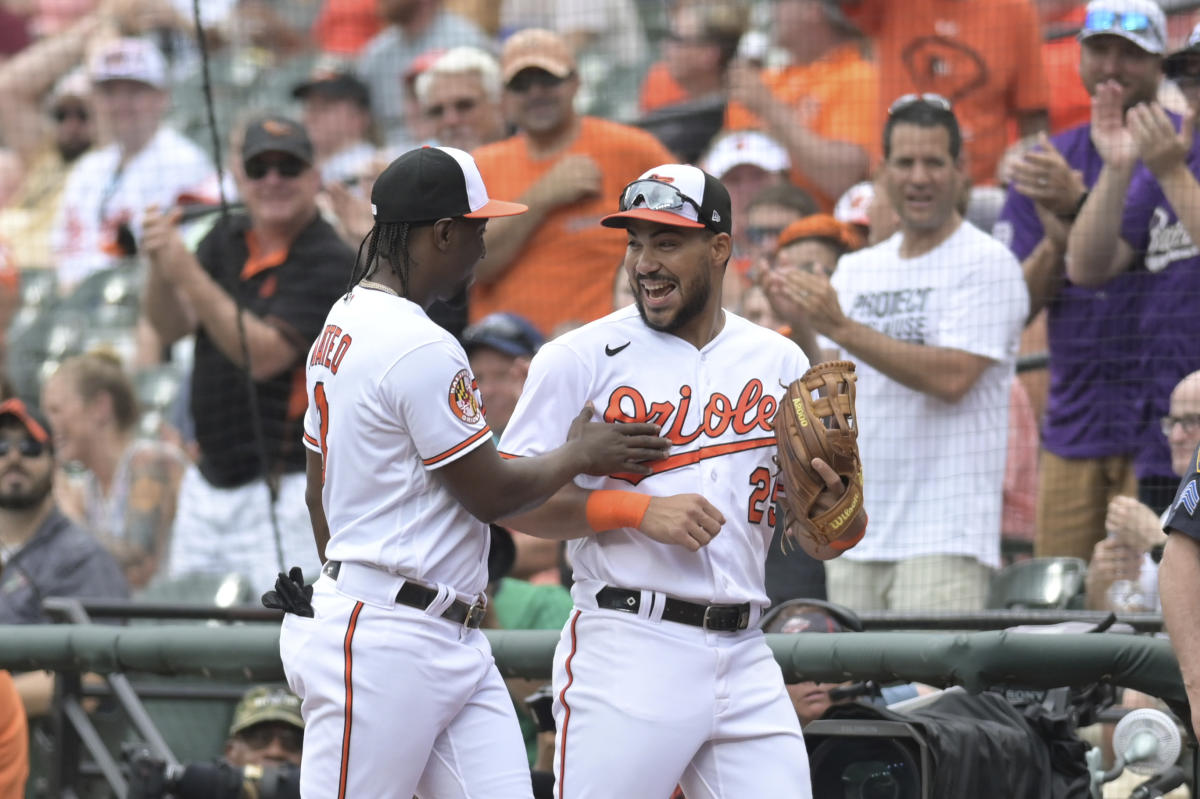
[{"x": 865, "y": 768}]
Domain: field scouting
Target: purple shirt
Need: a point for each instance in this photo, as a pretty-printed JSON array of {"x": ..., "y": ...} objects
[
  {"x": 1169, "y": 333},
  {"x": 1092, "y": 405}
]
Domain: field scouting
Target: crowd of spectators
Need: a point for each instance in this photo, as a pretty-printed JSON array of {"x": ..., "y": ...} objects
[{"x": 225, "y": 164}]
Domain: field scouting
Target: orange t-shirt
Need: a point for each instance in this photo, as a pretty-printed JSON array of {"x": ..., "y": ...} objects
[
  {"x": 344, "y": 26},
  {"x": 14, "y": 741},
  {"x": 566, "y": 269},
  {"x": 984, "y": 56},
  {"x": 1070, "y": 104},
  {"x": 659, "y": 89},
  {"x": 835, "y": 97}
]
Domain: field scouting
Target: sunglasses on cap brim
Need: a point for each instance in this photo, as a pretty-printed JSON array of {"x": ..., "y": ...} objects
[
  {"x": 654, "y": 195},
  {"x": 1104, "y": 20}
]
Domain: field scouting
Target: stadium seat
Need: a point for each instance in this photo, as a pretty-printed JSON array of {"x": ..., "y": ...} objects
[
  {"x": 119, "y": 285},
  {"x": 1039, "y": 584},
  {"x": 222, "y": 590},
  {"x": 157, "y": 391}
]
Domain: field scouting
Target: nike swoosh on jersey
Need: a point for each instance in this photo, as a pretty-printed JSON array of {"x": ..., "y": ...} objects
[{"x": 611, "y": 351}]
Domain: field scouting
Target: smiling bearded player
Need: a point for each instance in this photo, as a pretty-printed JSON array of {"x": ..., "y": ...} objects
[{"x": 661, "y": 676}]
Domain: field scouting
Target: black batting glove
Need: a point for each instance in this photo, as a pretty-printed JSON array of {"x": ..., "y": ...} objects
[{"x": 291, "y": 595}]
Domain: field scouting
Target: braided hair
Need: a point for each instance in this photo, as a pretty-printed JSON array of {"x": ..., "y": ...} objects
[{"x": 388, "y": 240}]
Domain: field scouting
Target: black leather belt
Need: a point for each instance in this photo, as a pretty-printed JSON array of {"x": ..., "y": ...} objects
[
  {"x": 718, "y": 618},
  {"x": 420, "y": 597}
]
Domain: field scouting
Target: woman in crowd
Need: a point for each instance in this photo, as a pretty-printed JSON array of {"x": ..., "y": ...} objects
[{"x": 119, "y": 486}]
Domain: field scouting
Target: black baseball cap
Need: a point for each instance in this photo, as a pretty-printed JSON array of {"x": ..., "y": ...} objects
[
  {"x": 276, "y": 134},
  {"x": 338, "y": 85},
  {"x": 431, "y": 183},
  {"x": 30, "y": 418},
  {"x": 509, "y": 333},
  {"x": 675, "y": 194}
]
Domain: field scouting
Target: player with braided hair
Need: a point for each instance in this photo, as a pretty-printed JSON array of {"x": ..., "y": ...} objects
[{"x": 400, "y": 692}]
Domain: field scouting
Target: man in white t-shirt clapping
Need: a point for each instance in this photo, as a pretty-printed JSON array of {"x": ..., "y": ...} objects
[{"x": 932, "y": 316}]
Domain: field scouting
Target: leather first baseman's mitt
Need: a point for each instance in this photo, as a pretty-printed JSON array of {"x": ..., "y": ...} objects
[{"x": 821, "y": 426}]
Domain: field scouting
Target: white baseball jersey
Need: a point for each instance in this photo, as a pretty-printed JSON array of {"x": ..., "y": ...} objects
[
  {"x": 716, "y": 404},
  {"x": 391, "y": 397}
]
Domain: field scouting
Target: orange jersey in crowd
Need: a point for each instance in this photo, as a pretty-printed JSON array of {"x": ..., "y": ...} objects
[
  {"x": 1070, "y": 104},
  {"x": 985, "y": 57},
  {"x": 344, "y": 26},
  {"x": 835, "y": 97},
  {"x": 660, "y": 90},
  {"x": 14, "y": 741},
  {"x": 565, "y": 271}
]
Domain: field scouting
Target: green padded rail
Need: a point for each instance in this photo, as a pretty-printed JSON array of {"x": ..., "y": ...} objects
[{"x": 974, "y": 660}]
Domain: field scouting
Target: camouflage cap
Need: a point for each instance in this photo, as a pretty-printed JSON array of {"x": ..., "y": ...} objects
[{"x": 265, "y": 703}]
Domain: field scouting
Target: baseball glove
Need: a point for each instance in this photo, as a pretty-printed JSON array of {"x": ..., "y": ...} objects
[{"x": 824, "y": 524}]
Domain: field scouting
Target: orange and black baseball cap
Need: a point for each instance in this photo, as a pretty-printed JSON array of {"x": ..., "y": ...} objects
[
  {"x": 820, "y": 226},
  {"x": 431, "y": 183},
  {"x": 675, "y": 194},
  {"x": 34, "y": 423}
]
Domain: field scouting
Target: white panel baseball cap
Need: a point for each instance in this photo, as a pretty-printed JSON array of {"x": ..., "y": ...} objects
[
  {"x": 745, "y": 147},
  {"x": 675, "y": 194},
  {"x": 129, "y": 59},
  {"x": 1140, "y": 21}
]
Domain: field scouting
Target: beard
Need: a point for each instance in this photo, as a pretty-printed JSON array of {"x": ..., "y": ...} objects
[
  {"x": 695, "y": 297},
  {"x": 69, "y": 151},
  {"x": 27, "y": 498}
]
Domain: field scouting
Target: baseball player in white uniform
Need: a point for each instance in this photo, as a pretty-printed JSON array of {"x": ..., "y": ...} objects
[
  {"x": 400, "y": 692},
  {"x": 661, "y": 675}
]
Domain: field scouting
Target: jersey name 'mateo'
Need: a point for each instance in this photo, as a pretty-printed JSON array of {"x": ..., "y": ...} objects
[
  {"x": 391, "y": 399},
  {"x": 716, "y": 404}
]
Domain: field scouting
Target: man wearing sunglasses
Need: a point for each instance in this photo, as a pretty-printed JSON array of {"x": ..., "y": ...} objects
[
  {"x": 661, "y": 669},
  {"x": 280, "y": 266},
  {"x": 1140, "y": 223},
  {"x": 1088, "y": 435},
  {"x": 554, "y": 264},
  {"x": 49, "y": 120},
  {"x": 42, "y": 553}
]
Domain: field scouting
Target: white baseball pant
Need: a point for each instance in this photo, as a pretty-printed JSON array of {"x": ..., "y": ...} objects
[
  {"x": 398, "y": 702},
  {"x": 642, "y": 705}
]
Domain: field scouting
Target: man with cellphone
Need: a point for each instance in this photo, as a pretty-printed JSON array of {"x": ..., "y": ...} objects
[{"x": 254, "y": 294}]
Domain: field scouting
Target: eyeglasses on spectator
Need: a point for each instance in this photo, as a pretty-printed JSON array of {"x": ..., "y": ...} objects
[{"x": 1190, "y": 422}]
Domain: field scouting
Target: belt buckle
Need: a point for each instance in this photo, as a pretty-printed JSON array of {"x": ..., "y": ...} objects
[
  {"x": 475, "y": 615},
  {"x": 731, "y": 618}
]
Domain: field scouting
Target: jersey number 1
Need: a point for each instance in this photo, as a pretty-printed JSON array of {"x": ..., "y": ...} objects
[{"x": 322, "y": 403}]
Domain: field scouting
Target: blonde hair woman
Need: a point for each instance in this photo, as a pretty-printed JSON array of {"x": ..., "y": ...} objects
[{"x": 120, "y": 487}]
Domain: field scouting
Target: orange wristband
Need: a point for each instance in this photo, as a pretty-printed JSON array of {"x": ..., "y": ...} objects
[{"x": 610, "y": 510}]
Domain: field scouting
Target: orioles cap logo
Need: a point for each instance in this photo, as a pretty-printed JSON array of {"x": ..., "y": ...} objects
[
  {"x": 661, "y": 178},
  {"x": 462, "y": 398},
  {"x": 276, "y": 128}
]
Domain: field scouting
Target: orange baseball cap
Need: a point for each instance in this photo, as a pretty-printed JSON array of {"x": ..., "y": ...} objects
[
  {"x": 539, "y": 49},
  {"x": 819, "y": 226}
]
